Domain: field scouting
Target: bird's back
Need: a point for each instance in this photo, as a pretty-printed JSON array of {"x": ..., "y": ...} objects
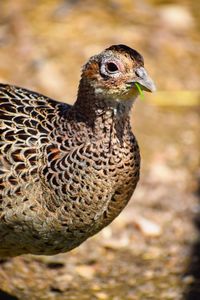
[{"x": 26, "y": 120}]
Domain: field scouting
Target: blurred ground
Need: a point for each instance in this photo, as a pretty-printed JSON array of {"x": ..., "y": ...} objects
[{"x": 152, "y": 250}]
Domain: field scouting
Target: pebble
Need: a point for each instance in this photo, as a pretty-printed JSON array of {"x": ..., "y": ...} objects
[
  {"x": 176, "y": 17},
  {"x": 147, "y": 227},
  {"x": 85, "y": 271},
  {"x": 189, "y": 279},
  {"x": 101, "y": 295}
]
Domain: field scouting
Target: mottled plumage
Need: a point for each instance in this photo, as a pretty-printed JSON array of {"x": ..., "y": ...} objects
[{"x": 67, "y": 171}]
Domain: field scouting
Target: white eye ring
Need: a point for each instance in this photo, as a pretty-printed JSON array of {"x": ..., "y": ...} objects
[{"x": 109, "y": 68}]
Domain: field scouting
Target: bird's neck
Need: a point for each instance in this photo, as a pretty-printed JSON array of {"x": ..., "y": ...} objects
[
  {"x": 101, "y": 114},
  {"x": 90, "y": 105}
]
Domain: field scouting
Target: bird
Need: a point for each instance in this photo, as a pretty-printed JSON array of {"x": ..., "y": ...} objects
[{"x": 67, "y": 171}]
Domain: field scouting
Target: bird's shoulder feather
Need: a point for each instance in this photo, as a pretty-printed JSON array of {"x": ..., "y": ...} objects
[{"x": 27, "y": 119}]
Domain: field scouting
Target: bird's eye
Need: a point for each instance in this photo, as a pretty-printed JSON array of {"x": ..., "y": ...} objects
[{"x": 112, "y": 67}]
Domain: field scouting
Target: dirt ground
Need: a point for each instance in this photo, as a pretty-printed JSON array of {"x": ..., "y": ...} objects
[{"x": 152, "y": 250}]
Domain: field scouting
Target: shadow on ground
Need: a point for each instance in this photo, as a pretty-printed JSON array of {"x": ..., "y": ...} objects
[
  {"x": 193, "y": 290},
  {"x": 6, "y": 296}
]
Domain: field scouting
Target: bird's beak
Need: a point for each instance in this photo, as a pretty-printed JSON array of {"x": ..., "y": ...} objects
[{"x": 144, "y": 80}]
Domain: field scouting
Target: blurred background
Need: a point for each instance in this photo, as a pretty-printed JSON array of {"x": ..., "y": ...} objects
[{"x": 152, "y": 250}]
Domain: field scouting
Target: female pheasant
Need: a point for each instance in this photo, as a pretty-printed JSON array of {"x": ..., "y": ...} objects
[{"x": 67, "y": 171}]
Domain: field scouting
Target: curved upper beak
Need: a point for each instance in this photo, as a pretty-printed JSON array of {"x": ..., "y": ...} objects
[{"x": 144, "y": 80}]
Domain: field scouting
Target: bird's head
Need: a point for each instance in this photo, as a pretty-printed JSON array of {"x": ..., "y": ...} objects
[{"x": 113, "y": 74}]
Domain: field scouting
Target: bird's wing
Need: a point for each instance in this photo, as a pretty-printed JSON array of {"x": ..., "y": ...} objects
[{"x": 26, "y": 122}]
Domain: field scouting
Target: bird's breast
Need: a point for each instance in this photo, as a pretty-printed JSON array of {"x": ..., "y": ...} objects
[{"x": 92, "y": 183}]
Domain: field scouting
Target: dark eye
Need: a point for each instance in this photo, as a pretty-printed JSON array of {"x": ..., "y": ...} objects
[{"x": 112, "y": 67}]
